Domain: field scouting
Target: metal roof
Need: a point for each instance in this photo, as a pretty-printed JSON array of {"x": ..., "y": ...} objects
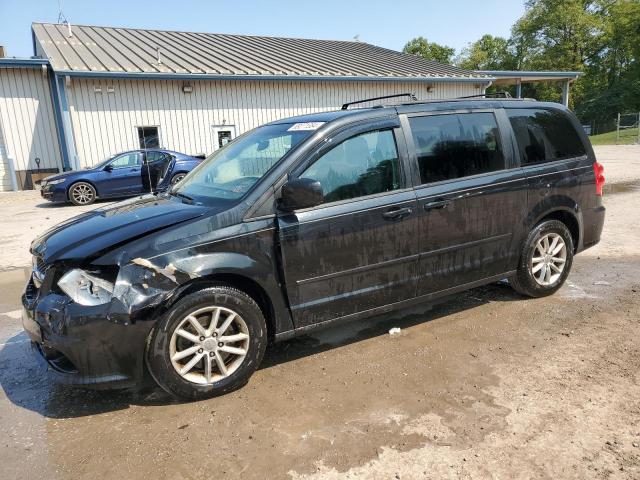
[{"x": 128, "y": 51}]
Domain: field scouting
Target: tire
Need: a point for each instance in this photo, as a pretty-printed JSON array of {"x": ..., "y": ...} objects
[
  {"x": 82, "y": 193},
  {"x": 165, "y": 345},
  {"x": 177, "y": 177},
  {"x": 537, "y": 274}
]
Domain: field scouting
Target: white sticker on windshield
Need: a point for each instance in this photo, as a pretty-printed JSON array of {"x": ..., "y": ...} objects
[{"x": 305, "y": 126}]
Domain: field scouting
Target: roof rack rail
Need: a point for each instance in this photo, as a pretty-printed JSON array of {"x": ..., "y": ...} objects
[
  {"x": 412, "y": 96},
  {"x": 490, "y": 95}
]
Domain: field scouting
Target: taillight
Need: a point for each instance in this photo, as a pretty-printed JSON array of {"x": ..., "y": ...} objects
[{"x": 598, "y": 170}]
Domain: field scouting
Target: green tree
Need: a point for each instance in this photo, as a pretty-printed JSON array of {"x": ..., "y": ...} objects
[
  {"x": 488, "y": 53},
  {"x": 600, "y": 38},
  {"x": 557, "y": 35},
  {"x": 612, "y": 76},
  {"x": 430, "y": 50}
]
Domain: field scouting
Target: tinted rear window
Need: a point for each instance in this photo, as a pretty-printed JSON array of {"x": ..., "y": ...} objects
[
  {"x": 456, "y": 145},
  {"x": 544, "y": 135}
]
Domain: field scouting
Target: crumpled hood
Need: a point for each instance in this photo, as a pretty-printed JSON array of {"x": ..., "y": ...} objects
[{"x": 93, "y": 233}]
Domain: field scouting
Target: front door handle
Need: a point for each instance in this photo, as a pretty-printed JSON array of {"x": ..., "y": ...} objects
[
  {"x": 397, "y": 213},
  {"x": 437, "y": 204}
]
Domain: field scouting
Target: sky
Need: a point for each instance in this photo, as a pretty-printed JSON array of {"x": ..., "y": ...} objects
[{"x": 388, "y": 24}]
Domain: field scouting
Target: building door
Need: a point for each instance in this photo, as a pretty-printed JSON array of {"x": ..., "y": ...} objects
[{"x": 222, "y": 134}]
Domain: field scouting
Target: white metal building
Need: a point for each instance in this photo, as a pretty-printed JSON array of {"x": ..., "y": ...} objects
[
  {"x": 28, "y": 133},
  {"x": 95, "y": 91}
]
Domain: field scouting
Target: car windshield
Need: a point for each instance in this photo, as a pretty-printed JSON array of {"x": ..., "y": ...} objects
[{"x": 230, "y": 172}]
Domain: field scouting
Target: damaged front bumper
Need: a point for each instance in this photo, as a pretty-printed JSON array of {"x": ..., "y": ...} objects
[{"x": 98, "y": 346}]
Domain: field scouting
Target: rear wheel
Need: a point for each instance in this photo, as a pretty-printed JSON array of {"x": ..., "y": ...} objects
[
  {"x": 208, "y": 344},
  {"x": 82, "y": 193},
  {"x": 545, "y": 261}
]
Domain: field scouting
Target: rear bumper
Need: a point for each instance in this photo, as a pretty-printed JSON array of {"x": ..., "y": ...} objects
[{"x": 592, "y": 224}]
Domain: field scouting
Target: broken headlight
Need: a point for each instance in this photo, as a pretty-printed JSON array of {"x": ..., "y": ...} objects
[{"x": 85, "y": 288}]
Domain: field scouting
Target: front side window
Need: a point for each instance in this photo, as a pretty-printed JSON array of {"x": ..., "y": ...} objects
[
  {"x": 128, "y": 160},
  {"x": 456, "y": 145},
  {"x": 544, "y": 135},
  {"x": 362, "y": 165},
  {"x": 148, "y": 137},
  {"x": 231, "y": 171}
]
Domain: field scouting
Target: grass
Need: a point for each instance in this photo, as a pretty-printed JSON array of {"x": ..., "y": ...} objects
[{"x": 627, "y": 137}]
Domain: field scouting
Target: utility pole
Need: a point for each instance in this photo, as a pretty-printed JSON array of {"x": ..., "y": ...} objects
[{"x": 618, "y": 130}]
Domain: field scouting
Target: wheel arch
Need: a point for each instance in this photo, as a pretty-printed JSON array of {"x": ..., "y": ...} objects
[
  {"x": 244, "y": 284},
  {"x": 82, "y": 180},
  {"x": 569, "y": 217}
]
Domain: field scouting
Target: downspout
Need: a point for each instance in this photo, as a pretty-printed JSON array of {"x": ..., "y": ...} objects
[
  {"x": 60, "y": 127},
  {"x": 66, "y": 123}
]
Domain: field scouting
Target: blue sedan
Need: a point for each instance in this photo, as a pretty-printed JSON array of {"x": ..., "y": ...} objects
[{"x": 123, "y": 175}]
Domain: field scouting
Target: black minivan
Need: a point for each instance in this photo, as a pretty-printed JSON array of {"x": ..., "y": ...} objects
[{"x": 308, "y": 221}]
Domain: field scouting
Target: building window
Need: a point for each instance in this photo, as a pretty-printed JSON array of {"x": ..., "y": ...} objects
[{"x": 149, "y": 137}]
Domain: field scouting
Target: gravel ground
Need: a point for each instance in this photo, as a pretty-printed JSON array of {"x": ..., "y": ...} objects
[{"x": 485, "y": 385}]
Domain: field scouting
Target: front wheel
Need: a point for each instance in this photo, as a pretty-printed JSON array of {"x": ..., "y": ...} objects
[
  {"x": 208, "y": 344},
  {"x": 545, "y": 260},
  {"x": 82, "y": 193}
]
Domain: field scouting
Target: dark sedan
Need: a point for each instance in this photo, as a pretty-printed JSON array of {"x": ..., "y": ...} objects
[{"x": 122, "y": 175}]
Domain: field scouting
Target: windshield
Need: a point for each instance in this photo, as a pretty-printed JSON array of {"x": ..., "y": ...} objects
[{"x": 230, "y": 172}]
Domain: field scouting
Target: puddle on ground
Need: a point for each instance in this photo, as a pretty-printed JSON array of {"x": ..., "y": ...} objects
[{"x": 622, "y": 187}]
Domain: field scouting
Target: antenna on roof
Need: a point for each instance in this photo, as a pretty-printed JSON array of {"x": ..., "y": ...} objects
[
  {"x": 63, "y": 20},
  {"x": 356, "y": 38}
]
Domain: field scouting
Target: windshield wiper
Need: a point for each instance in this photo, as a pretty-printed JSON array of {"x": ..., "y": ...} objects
[{"x": 182, "y": 195}]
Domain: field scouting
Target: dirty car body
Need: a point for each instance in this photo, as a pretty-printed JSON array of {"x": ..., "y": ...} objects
[{"x": 404, "y": 230}]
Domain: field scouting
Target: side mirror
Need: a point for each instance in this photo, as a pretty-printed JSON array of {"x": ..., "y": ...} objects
[
  {"x": 108, "y": 168},
  {"x": 300, "y": 193}
]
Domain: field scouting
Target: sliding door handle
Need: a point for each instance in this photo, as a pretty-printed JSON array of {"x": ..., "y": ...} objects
[
  {"x": 396, "y": 213},
  {"x": 437, "y": 204}
]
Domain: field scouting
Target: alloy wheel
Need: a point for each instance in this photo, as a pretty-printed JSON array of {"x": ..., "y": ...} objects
[
  {"x": 177, "y": 178},
  {"x": 549, "y": 259},
  {"x": 82, "y": 194},
  {"x": 209, "y": 345}
]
